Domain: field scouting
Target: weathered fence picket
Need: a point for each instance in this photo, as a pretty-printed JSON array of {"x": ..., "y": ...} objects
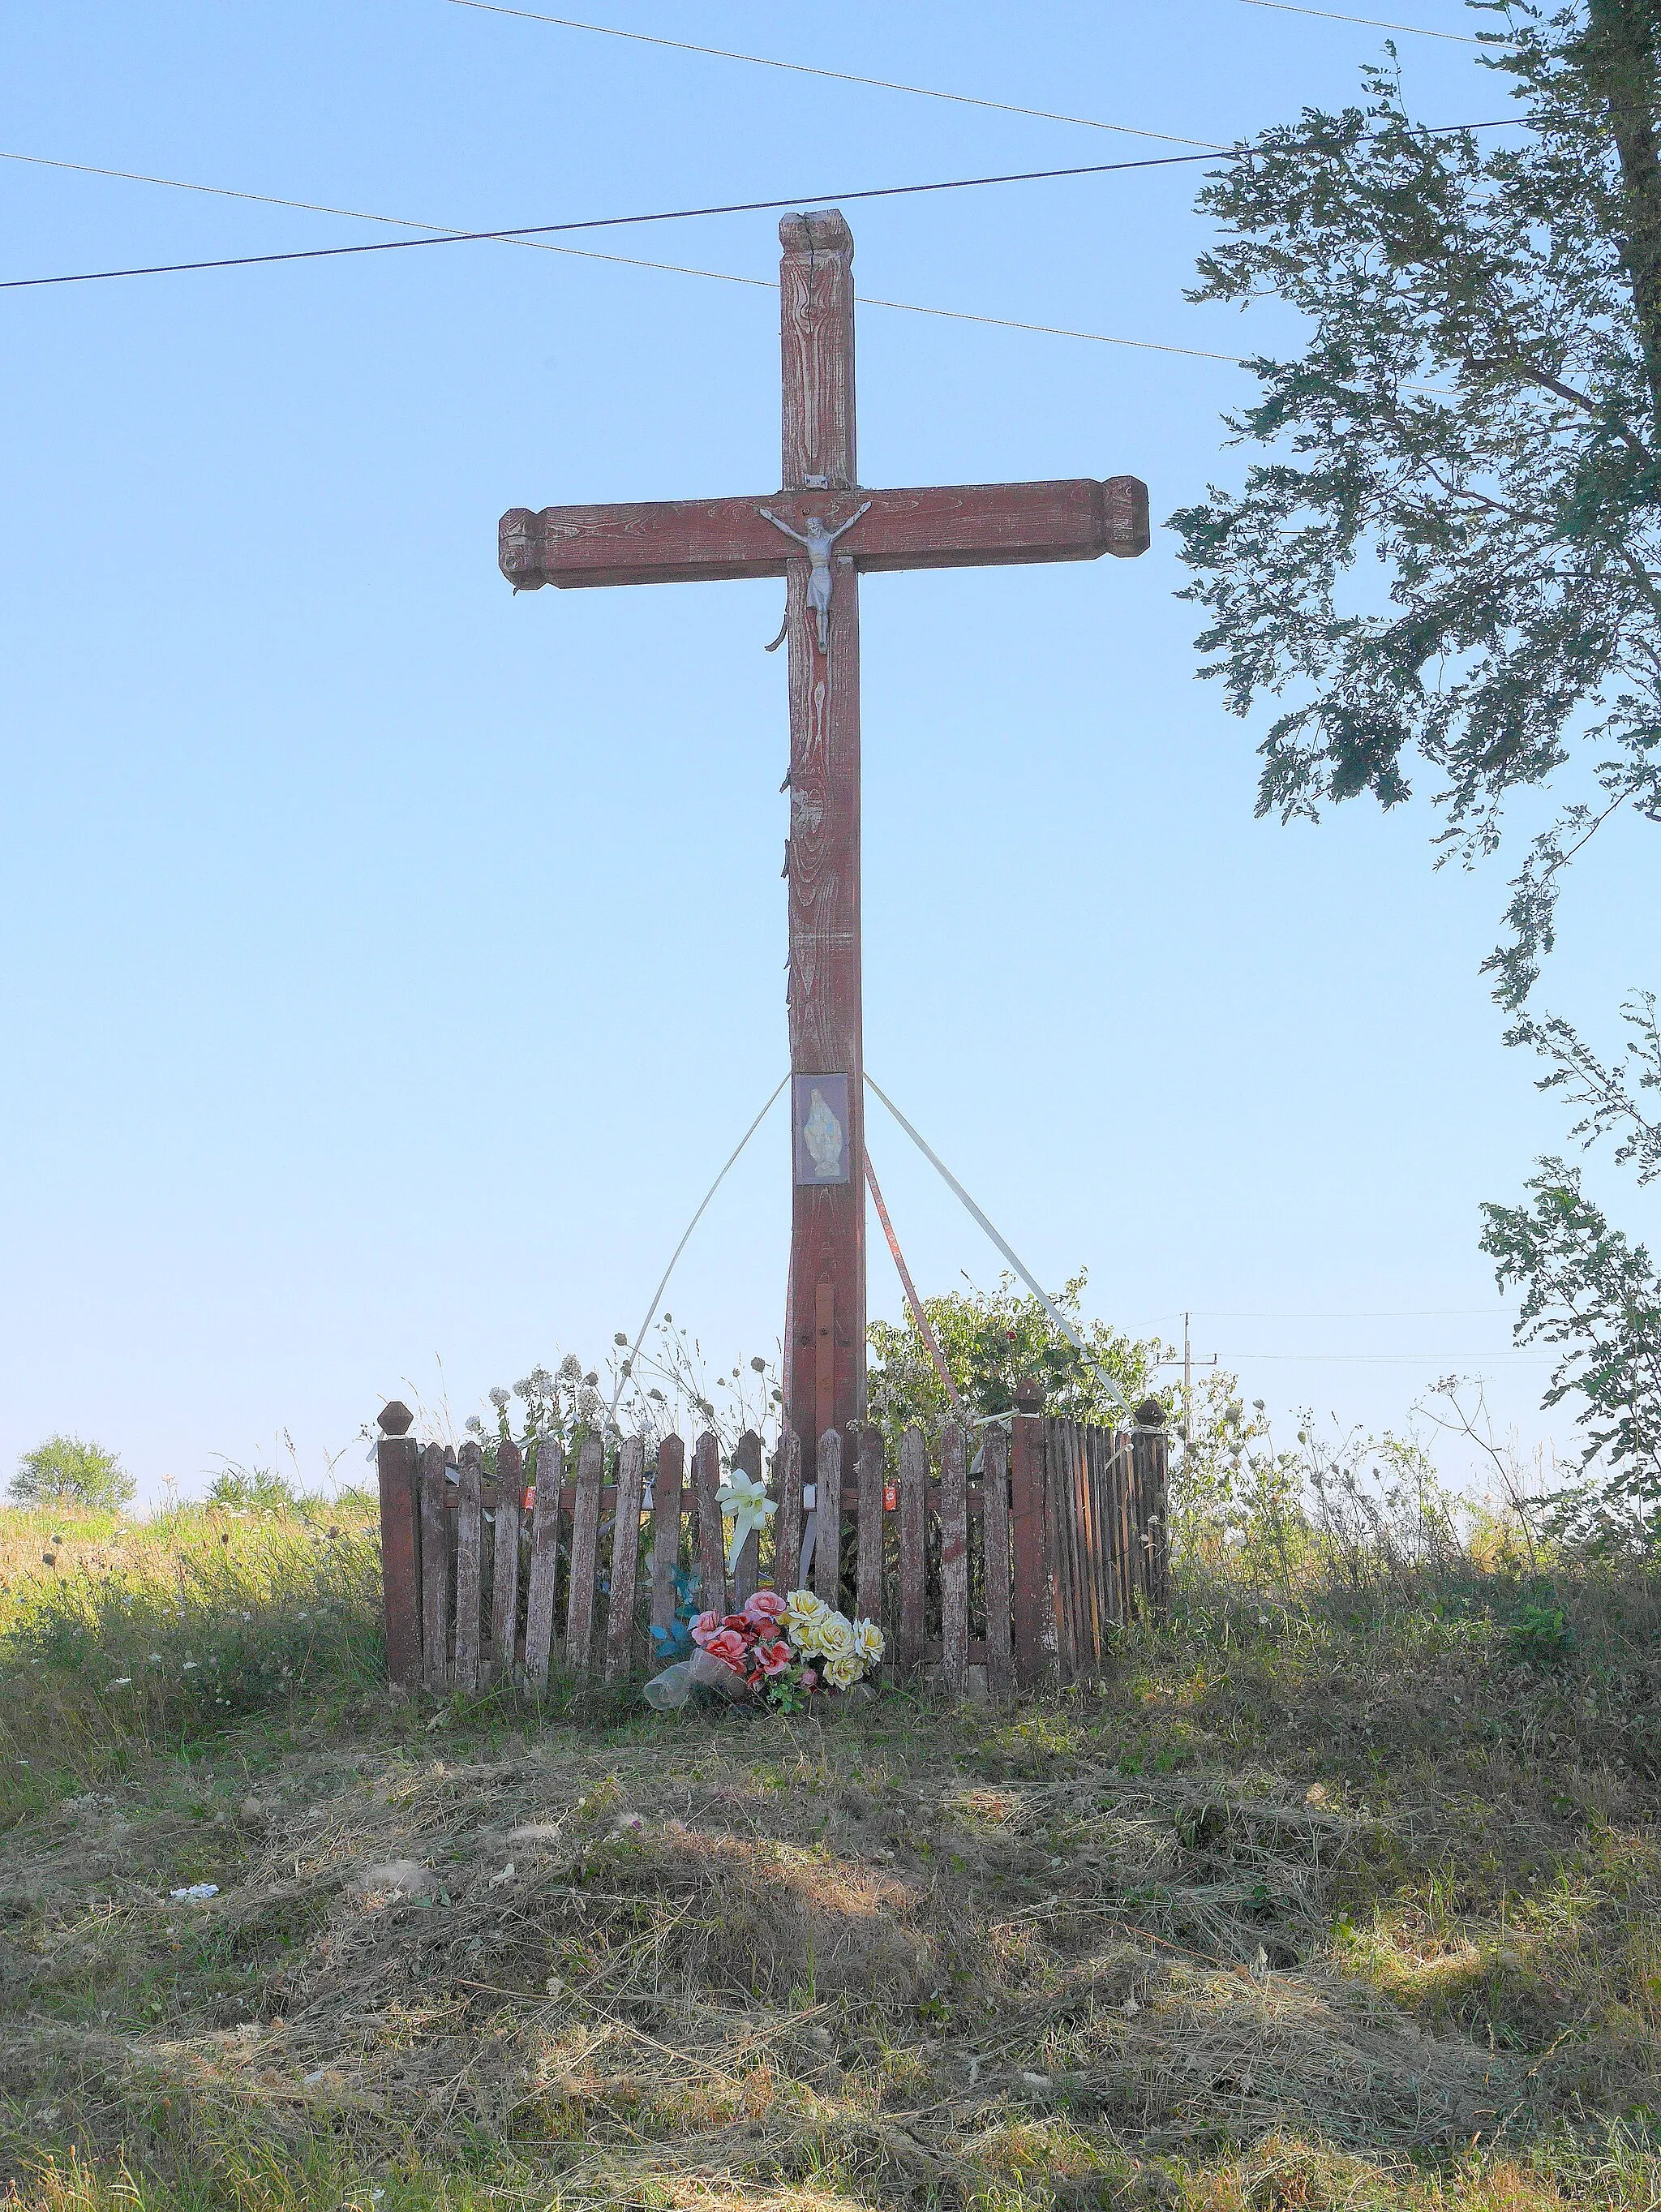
[
  {"x": 711, "y": 1555},
  {"x": 1070, "y": 1545},
  {"x": 787, "y": 1488},
  {"x": 828, "y": 1518}
]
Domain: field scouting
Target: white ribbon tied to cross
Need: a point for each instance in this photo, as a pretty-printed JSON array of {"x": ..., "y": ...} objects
[{"x": 744, "y": 1498}]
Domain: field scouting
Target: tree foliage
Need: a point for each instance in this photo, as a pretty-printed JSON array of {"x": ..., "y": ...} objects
[
  {"x": 66, "y": 1470},
  {"x": 1593, "y": 1294},
  {"x": 1453, "y": 554},
  {"x": 1448, "y": 557}
]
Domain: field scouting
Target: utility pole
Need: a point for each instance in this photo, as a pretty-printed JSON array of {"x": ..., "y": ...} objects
[{"x": 1189, "y": 1364}]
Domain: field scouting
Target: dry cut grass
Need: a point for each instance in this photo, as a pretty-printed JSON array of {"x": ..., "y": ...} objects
[{"x": 1308, "y": 1911}]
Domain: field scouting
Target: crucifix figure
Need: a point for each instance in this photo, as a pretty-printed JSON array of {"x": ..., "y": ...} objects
[
  {"x": 818, "y": 543},
  {"x": 794, "y": 533}
]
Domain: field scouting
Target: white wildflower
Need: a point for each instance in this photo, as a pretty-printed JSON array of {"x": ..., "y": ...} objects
[
  {"x": 571, "y": 1369},
  {"x": 588, "y": 1403},
  {"x": 474, "y": 1425},
  {"x": 498, "y": 1396}
]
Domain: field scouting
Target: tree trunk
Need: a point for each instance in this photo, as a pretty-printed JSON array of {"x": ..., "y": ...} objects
[{"x": 1621, "y": 51}]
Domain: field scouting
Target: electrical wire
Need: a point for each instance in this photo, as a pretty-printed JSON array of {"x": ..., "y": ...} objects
[
  {"x": 1376, "y": 1313},
  {"x": 1372, "y": 22},
  {"x": 1443, "y": 1359},
  {"x": 531, "y": 230},
  {"x": 837, "y": 76},
  {"x": 521, "y": 232},
  {"x": 616, "y": 261}
]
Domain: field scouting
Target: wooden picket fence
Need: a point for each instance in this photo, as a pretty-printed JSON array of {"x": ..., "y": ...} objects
[{"x": 1003, "y": 1578}]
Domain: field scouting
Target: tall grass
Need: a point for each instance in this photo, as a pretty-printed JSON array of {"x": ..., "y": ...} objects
[{"x": 120, "y": 1637}]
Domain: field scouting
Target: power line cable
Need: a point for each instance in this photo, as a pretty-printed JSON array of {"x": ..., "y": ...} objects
[
  {"x": 1372, "y": 22},
  {"x": 838, "y": 76},
  {"x": 531, "y": 230},
  {"x": 529, "y": 233},
  {"x": 1378, "y": 1313},
  {"x": 617, "y": 260},
  {"x": 1391, "y": 1359}
]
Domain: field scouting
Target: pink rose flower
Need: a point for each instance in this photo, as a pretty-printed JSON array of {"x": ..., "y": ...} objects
[
  {"x": 736, "y": 1622},
  {"x": 773, "y": 1655},
  {"x": 728, "y": 1646},
  {"x": 764, "y": 1608},
  {"x": 704, "y": 1627},
  {"x": 809, "y": 1678}
]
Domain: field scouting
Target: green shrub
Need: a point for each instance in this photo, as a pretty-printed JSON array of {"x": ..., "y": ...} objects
[
  {"x": 66, "y": 1470},
  {"x": 252, "y": 1490}
]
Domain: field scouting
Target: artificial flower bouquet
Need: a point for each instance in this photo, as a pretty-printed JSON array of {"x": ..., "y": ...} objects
[{"x": 779, "y": 1649}]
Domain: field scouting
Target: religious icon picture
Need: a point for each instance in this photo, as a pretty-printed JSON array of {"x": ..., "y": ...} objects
[{"x": 821, "y": 1104}]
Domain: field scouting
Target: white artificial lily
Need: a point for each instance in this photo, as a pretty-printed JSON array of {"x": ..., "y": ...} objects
[{"x": 744, "y": 1497}]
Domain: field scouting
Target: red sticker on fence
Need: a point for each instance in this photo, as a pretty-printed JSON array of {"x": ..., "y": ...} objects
[{"x": 891, "y": 1497}]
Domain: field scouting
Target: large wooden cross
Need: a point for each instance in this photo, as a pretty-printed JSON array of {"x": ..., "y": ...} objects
[{"x": 821, "y": 531}]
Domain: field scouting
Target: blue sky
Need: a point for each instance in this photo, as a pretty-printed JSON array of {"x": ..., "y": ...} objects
[{"x": 390, "y": 963}]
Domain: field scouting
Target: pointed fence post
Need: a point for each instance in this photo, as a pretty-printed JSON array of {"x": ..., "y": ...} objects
[
  {"x": 1149, "y": 1456},
  {"x": 395, "y": 1457}
]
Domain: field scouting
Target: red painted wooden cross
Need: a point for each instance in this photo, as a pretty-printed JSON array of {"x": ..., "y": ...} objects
[{"x": 821, "y": 531}]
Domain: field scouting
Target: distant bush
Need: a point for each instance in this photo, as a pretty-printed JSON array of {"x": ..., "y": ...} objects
[
  {"x": 251, "y": 1489},
  {"x": 66, "y": 1470}
]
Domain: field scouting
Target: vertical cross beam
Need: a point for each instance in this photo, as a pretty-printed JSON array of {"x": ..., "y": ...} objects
[{"x": 827, "y": 1231}]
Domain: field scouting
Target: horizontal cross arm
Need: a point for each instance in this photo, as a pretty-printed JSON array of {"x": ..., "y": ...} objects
[
  {"x": 998, "y": 525},
  {"x": 714, "y": 540}
]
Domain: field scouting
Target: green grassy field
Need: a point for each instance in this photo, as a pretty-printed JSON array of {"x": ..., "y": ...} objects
[{"x": 1352, "y": 1899}]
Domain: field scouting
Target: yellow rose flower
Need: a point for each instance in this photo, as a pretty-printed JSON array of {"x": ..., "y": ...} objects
[
  {"x": 836, "y": 1639},
  {"x": 868, "y": 1641},
  {"x": 844, "y": 1670}
]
